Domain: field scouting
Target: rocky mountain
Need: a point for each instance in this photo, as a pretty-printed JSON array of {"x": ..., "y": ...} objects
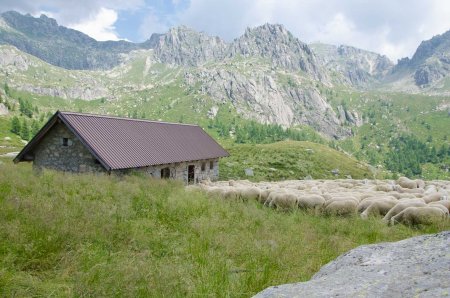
[
  {"x": 186, "y": 47},
  {"x": 44, "y": 38},
  {"x": 276, "y": 43},
  {"x": 429, "y": 64},
  {"x": 267, "y": 74},
  {"x": 357, "y": 67}
]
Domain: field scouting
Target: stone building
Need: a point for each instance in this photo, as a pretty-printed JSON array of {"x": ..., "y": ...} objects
[{"x": 78, "y": 142}]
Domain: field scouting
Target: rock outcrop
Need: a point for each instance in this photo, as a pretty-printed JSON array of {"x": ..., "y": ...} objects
[
  {"x": 184, "y": 46},
  {"x": 430, "y": 63},
  {"x": 415, "y": 267},
  {"x": 276, "y": 43},
  {"x": 262, "y": 97},
  {"x": 357, "y": 67}
]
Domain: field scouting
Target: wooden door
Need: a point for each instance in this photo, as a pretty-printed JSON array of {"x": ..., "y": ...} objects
[{"x": 191, "y": 174}]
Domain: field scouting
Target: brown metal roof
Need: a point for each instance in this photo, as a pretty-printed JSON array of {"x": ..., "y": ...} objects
[{"x": 121, "y": 143}]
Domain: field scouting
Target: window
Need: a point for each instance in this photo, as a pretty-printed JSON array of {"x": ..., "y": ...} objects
[
  {"x": 211, "y": 165},
  {"x": 165, "y": 173},
  {"x": 65, "y": 142},
  {"x": 203, "y": 166}
]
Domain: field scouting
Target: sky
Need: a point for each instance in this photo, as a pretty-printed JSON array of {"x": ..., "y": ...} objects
[{"x": 391, "y": 27}]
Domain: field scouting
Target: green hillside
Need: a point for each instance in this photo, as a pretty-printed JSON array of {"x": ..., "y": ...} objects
[{"x": 290, "y": 160}]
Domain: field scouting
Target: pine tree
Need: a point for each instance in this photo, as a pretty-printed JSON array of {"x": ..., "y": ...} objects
[
  {"x": 25, "y": 107},
  {"x": 34, "y": 128},
  {"x": 25, "y": 131},
  {"x": 15, "y": 125}
]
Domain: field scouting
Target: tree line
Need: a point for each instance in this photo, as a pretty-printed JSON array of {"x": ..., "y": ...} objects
[{"x": 408, "y": 154}]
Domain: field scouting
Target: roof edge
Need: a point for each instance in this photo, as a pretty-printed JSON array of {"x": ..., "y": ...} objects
[
  {"x": 83, "y": 141},
  {"x": 43, "y": 131},
  {"x": 125, "y": 118},
  {"x": 35, "y": 140}
]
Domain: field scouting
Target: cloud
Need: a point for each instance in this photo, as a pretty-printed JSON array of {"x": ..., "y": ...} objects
[
  {"x": 70, "y": 12},
  {"x": 154, "y": 23},
  {"x": 100, "y": 26}
]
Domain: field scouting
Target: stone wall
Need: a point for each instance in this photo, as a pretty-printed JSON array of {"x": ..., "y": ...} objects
[
  {"x": 179, "y": 171},
  {"x": 75, "y": 157},
  {"x": 51, "y": 154}
]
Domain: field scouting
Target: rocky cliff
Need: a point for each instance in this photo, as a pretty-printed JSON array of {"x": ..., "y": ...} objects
[
  {"x": 284, "y": 50},
  {"x": 356, "y": 67},
  {"x": 186, "y": 47},
  {"x": 430, "y": 63}
]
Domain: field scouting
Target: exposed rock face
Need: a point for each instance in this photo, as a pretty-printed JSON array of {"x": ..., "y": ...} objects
[
  {"x": 278, "y": 44},
  {"x": 415, "y": 267},
  {"x": 358, "y": 67},
  {"x": 430, "y": 63},
  {"x": 261, "y": 97},
  {"x": 432, "y": 72},
  {"x": 184, "y": 46},
  {"x": 88, "y": 92},
  {"x": 9, "y": 57}
]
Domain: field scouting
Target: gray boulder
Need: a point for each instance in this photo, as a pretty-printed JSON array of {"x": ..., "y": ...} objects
[{"x": 415, "y": 267}]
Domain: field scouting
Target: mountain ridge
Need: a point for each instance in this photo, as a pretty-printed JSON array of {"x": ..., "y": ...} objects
[
  {"x": 267, "y": 75},
  {"x": 182, "y": 46}
]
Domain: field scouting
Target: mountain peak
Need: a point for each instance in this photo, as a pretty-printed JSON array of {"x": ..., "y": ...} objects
[
  {"x": 274, "y": 41},
  {"x": 44, "y": 38},
  {"x": 268, "y": 27},
  {"x": 184, "y": 46},
  {"x": 430, "y": 62}
]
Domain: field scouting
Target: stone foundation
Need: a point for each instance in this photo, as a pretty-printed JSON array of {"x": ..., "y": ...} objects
[{"x": 179, "y": 170}]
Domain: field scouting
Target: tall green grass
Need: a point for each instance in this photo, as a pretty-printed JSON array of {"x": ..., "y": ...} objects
[{"x": 88, "y": 235}]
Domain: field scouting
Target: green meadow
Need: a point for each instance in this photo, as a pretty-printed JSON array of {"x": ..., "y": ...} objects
[{"x": 101, "y": 236}]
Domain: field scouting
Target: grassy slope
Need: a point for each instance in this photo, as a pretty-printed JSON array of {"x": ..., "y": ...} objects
[
  {"x": 290, "y": 160},
  {"x": 69, "y": 235},
  {"x": 393, "y": 114},
  {"x": 12, "y": 145}
]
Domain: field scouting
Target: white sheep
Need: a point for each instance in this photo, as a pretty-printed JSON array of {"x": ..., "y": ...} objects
[
  {"x": 402, "y": 205},
  {"x": 341, "y": 207},
  {"x": 409, "y": 190},
  {"x": 407, "y": 183},
  {"x": 365, "y": 203},
  {"x": 283, "y": 200},
  {"x": 311, "y": 201},
  {"x": 433, "y": 197},
  {"x": 420, "y": 183},
  {"x": 445, "y": 203},
  {"x": 379, "y": 207},
  {"x": 419, "y": 215},
  {"x": 249, "y": 193}
]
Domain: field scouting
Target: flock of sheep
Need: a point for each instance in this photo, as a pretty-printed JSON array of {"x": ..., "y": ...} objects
[{"x": 403, "y": 201}]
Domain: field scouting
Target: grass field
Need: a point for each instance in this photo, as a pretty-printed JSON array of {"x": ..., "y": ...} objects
[{"x": 83, "y": 235}]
